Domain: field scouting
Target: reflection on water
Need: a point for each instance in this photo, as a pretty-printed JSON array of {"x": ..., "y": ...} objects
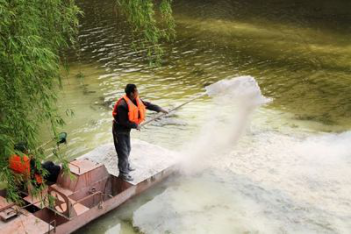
[{"x": 298, "y": 51}]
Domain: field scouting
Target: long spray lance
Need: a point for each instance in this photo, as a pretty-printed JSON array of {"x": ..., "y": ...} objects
[
  {"x": 174, "y": 109},
  {"x": 233, "y": 88}
]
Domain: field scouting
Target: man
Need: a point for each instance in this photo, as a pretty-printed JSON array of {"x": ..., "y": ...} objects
[
  {"x": 26, "y": 169},
  {"x": 128, "y": 112},
  {"x": 24, "y": 166}
]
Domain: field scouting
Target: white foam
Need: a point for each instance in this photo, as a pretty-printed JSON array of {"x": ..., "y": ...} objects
[
  {"x": 215, "y": 209},
  {"x": 114, "y": 230},
  {"x": 269, "y": 183}
]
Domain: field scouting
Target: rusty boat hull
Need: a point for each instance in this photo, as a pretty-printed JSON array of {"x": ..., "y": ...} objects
[{"x": 75, "y": 200}]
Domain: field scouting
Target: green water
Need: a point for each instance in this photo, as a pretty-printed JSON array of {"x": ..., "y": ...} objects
[{"x": 298, "y": 51}]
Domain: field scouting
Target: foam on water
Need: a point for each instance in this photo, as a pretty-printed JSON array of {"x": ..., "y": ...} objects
[
  {"x": 266, "y": 182},
  {"x": 299, "y": 175},
  {"x": 269, "y": 183},
  {"x": 213, "y": 209}
]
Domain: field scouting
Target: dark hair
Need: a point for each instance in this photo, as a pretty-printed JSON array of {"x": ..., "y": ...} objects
[
  {"x": 21, "y": 146},
  {"x": 130, "y": 88}
]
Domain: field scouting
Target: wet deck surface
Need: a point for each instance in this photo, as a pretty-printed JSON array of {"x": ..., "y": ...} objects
[{"x": 147, "y": 159}]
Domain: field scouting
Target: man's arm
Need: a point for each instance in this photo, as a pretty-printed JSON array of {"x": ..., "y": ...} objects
[{"x": 154, "y": 107}]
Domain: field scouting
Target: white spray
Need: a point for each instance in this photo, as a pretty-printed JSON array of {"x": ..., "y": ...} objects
[{"x": 233, "y": 102}]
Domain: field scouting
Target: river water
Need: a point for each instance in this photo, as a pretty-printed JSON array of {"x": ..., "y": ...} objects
[{"x": 290, "y": 170}]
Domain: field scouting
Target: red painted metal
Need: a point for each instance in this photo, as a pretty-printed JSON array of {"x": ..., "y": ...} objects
[
  {"x": 25, "y": 222},
  {"x": 39, "y": 201},
  {"x": 5, "y": 204}
]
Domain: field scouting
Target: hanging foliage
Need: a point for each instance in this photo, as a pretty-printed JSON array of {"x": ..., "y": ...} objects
[
  {"x": 152, "y": 21},
  {"x": 32, "y": 34}
]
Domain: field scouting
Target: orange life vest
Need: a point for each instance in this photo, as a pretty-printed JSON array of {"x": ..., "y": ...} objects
[
  {"x": 38, "y": 178},
  {"x": 136, "y": 113},
  {"x": 21, "y": 165}
]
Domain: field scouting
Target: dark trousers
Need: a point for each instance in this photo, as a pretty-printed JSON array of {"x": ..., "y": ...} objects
[{"x": 122, "y": 146}]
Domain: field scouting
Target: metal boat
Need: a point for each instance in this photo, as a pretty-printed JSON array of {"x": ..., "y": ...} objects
[{"x": 74, "y": 200}]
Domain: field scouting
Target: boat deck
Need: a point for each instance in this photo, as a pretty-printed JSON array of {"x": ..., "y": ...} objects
[
  {"x": 91, "y": 190},
  {"x": 146, "y": 158}
]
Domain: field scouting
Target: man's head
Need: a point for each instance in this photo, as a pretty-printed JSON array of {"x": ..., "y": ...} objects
[
  {"x": 131, "y": 91},
  {"x": 22, "y": 147}
]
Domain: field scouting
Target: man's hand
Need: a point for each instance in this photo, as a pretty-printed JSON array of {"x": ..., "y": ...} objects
[
  {"x": 164, "y": 111},
  {"x": 138, "y": 127}
]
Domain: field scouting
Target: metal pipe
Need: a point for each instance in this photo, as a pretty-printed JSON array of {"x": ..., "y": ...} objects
[
  {"x": 89, "y": 196},
  {"x": 75, "y": 166},
  {"x": 52, "y": 222},
  {"x": 175, "y": 108}
]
